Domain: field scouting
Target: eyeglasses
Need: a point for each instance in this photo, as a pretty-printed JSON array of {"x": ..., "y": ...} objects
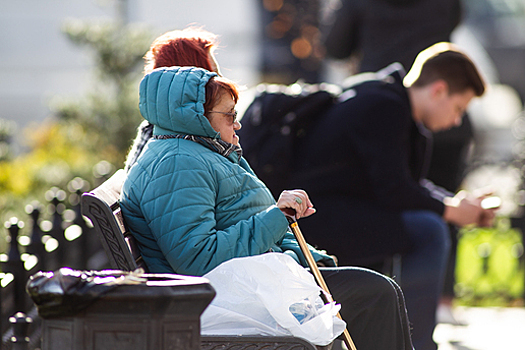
[{"x": 232, "y": 115}]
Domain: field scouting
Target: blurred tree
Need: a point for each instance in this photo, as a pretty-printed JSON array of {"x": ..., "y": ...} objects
[
  {"x": 110, "y": 112},
  {"x": 95, "y": 129},
  {"x": 56, "y": 156},
  {"x": 7, "y": 128}
]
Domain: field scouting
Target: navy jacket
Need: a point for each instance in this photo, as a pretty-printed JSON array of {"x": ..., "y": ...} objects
[{"x": 363, "y": 164}]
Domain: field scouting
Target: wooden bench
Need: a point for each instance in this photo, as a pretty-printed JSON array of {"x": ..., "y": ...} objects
[{"x": 101, "y": 206}]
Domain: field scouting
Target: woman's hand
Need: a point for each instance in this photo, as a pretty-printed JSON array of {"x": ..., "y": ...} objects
[{"x": 297, "y": 200}]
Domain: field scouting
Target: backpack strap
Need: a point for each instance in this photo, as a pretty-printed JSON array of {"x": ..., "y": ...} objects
[{"x": 385, "y": 75}]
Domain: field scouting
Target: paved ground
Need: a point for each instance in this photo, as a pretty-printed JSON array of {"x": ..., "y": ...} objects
[{"x": 486, "y": 329}]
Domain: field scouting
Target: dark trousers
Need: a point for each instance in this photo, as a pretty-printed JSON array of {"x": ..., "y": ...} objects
[
  {"x": 373, "y": 307},
  {"x": 423, "y": 271}
]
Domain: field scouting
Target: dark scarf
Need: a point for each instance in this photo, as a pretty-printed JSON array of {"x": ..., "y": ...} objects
[{"x": 217, "y": 145}]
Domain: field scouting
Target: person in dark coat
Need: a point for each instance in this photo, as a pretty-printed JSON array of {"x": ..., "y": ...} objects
[
  {"x": 380, "y": 32},
  {"x": 364, "y": 166}
]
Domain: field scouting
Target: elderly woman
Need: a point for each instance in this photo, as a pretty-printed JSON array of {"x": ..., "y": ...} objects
[{"x": 192, "y": 202}]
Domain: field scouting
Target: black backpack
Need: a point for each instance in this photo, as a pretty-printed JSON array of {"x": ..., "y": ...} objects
[{"x": 277, "y": 117}]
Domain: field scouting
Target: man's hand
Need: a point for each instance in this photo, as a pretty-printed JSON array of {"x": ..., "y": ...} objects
[
  {"x": 466, "y": 209},
  {"x": 489, "y": 205}
]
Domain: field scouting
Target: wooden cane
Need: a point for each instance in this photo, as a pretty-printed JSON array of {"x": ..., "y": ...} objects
[{"x": 290, "y": 215}]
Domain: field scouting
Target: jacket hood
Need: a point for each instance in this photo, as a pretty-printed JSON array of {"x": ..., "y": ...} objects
[{"x": 172, "y": 99}]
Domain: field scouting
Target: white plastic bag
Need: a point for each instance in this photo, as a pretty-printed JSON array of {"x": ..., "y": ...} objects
[{"x": 269, "y": 294}]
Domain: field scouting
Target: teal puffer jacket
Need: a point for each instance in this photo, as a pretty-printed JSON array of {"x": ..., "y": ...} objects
[{"x": 191, "y": 208}]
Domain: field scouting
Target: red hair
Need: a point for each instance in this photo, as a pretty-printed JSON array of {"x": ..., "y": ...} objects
[
  {"x": 217, "y": 86},
  {"x": 187, "y": 47}
]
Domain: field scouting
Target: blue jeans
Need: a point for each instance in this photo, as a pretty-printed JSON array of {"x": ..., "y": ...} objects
[{"x": 423, "y": 271}]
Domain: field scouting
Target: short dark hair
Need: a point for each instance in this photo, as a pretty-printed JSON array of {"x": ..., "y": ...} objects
[{"x": 444, "y": 61}]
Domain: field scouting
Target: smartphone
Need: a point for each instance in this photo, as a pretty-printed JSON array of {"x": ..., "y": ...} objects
[{"x": 492, "y": 202}]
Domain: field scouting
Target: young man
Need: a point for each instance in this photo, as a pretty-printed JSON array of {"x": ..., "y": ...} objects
[{"x": 364, "y": 167}]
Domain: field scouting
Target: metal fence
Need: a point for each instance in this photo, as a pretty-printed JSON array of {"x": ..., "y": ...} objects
[{"x": 58, "y": 236}]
